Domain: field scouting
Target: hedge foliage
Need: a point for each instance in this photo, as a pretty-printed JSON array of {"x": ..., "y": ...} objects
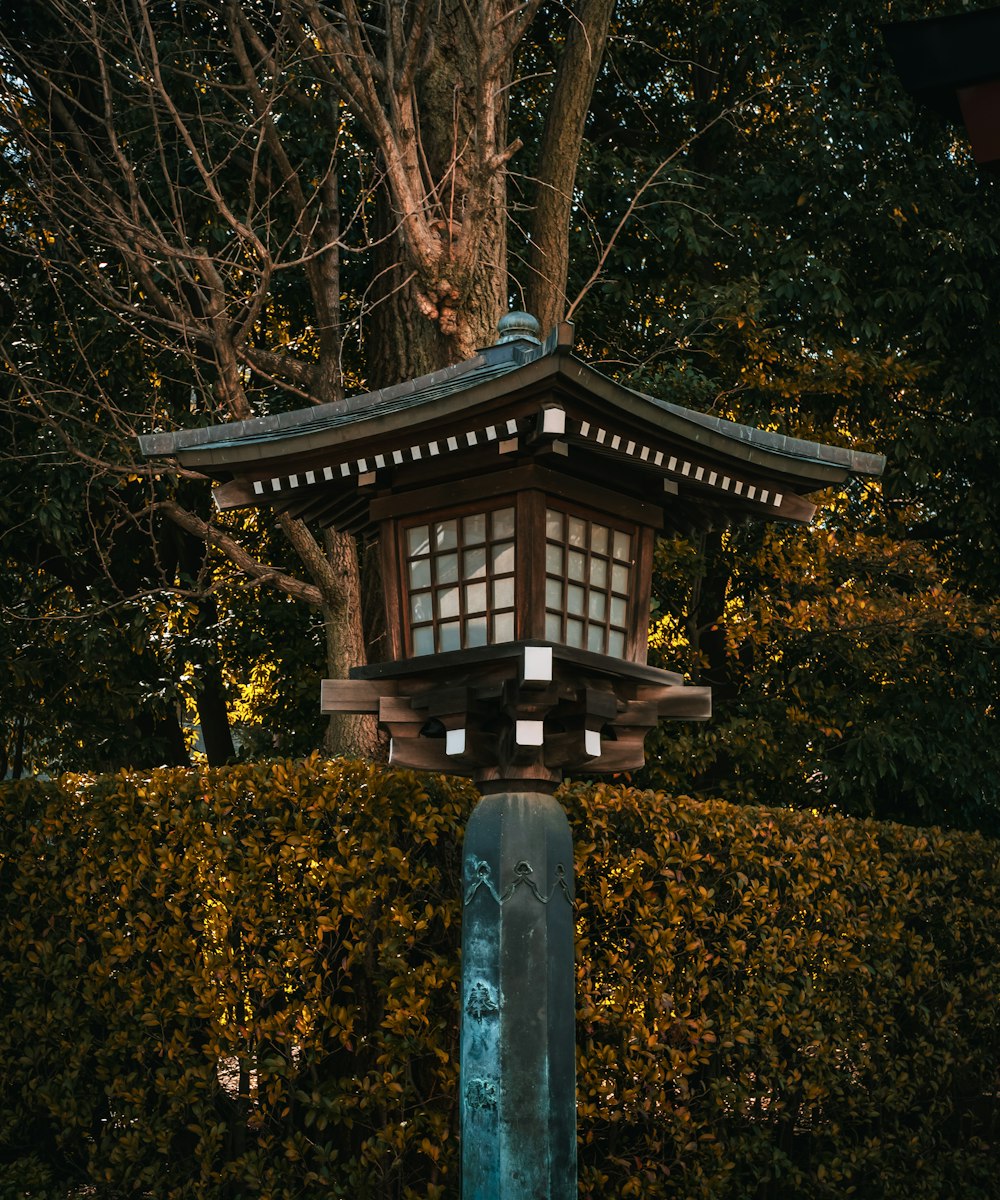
[{"x": 243, "y": 983}]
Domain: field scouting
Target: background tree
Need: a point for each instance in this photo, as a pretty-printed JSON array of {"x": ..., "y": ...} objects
[
  {"x": 199, "y": 172},
  {"x": 822, "y": 262},
  {"x": 279, "y": 205}
]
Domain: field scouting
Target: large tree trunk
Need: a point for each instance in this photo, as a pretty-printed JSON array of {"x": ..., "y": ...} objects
[
  {"x": 425, "y": 318},
  {"x": 209, "y": 266}
]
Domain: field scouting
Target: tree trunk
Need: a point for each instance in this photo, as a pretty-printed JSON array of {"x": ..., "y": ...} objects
[
  {"x": 17, "y": 767},
  {"x": 163, "y": 738},
  {"x": 428, "y": 88},
  {"x": 419, "y": 324},
  {"x": 558, "y": 159},
  {"x": 348, "y": 734},
  {"x": 210, "y": 700},
  {"x": 213, "y": 716},
  {"x": 706, "y": 621}
]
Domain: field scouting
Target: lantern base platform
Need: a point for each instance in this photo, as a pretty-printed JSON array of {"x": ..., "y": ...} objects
[{"x": 521, "y": 713}]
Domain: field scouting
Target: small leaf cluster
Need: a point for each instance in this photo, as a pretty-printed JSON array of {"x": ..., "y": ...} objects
[{"x": 243, "y": 982}]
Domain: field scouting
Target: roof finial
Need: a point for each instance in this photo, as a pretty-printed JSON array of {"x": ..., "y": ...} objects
[{"x": 518, "y": 326}]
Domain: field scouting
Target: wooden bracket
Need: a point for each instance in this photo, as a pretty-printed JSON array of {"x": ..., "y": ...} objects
[{"x": 518, "y": 712}]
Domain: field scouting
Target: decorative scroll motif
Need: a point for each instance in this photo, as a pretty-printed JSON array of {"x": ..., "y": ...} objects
[
  {"x": 481, "y": 1093},
  {"x": 481, "y": 1002},
  {"x": 522, "y": 875}
]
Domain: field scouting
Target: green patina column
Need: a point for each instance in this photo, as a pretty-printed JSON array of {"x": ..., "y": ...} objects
[{"x": 518, "y": 1064}]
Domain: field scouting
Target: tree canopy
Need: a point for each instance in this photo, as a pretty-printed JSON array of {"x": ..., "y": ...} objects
[{"x": 217, "y": 210}]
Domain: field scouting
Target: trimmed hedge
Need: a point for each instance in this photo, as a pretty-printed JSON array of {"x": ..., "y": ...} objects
[{"x": 243, "y": 983}]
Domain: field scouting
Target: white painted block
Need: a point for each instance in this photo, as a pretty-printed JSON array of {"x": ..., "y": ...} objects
[
  {"x": 553, "y": 420},
  {"x": 592, "y": 743},
  {"x": 538, "y": 663},
  {"x": 529, "y": 733},
  {"x": 454, "y": 741}
]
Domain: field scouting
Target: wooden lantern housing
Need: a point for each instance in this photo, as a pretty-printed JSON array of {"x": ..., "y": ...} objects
[{"x": 516, "y": 498}]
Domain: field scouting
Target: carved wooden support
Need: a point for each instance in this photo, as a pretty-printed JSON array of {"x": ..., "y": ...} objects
[{"x": 523, "y": 713}]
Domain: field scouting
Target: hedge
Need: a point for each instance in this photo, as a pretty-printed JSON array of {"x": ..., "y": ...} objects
[{"x": 243, "y": 983}]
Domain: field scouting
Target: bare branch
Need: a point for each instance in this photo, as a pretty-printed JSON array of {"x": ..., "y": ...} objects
[
  {"x": 237, "y": 555},
  {"x": 651, "y": 180}
]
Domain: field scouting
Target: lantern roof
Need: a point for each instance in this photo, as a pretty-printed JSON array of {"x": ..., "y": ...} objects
[{"x": 519, "y": 399}]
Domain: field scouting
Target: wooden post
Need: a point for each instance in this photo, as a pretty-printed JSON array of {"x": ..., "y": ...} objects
[{"x": 518, "y": 1065}]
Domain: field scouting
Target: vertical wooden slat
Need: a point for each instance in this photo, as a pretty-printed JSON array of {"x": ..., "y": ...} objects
[
  {"x": 637, "y": 639},
  {"x": 530, "y": 553},
  {"x": 393, "y": 585}
]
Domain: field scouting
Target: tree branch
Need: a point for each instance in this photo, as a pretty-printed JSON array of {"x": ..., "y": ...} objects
[{"x": 237, "y": 555}]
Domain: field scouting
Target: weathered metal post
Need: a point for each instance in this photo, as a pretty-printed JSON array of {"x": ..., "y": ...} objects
[
  {"x": 518, "y": 1068},
  {"x": 516, "y": 498}
]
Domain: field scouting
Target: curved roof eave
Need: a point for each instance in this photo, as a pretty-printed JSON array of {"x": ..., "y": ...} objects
[
  {"x": 760, "y": 446},
  {"x": 492, "y": 375}
]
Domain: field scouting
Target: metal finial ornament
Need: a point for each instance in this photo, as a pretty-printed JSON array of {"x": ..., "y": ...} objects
[{"x": 518, "y": 326}]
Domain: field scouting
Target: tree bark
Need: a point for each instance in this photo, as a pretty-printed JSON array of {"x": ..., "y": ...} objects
[
  {"x": 204, "y": 268},
  {"x": 348, "y": 734},
  {"x": 213, "y": 716},
  {"x": 706, "y": 620},
  {"x": 558, "y": 160},
  {"x": 424, "y": 319}
]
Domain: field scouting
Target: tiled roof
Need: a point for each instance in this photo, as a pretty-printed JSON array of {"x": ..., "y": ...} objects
[
  {"x": 255, "y": 441},
  {"x": 491, "y": 363}
]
